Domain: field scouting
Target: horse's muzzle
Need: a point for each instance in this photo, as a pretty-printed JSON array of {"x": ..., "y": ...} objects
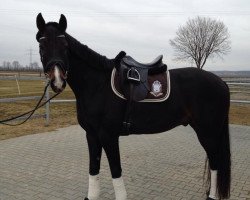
[{"x": 57, "y": 77}]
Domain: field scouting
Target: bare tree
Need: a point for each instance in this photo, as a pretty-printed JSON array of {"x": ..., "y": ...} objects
[{"x": 199, "y": 39}]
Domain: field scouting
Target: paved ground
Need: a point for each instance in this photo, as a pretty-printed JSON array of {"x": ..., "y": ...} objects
[{"x": 54, "y": 166}]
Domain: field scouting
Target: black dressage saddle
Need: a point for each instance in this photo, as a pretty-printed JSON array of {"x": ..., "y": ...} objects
[
  {"x": 134, "y": 76},
  {"x": 134, "y": 81}
]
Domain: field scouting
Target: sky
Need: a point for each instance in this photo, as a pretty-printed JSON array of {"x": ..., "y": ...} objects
[{"x": 142, "y": 28}]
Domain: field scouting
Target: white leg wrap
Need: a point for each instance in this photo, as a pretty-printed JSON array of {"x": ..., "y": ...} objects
[
  {"x": 213, "y": 186},
  {"x": 120, "y": 190},
  {"x": 94, "y": 187}
]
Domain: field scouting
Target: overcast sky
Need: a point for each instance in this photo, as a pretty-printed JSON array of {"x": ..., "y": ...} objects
[{"x": 142, "y": 28}]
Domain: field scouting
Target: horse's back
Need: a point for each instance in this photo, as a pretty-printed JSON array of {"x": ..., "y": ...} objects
[{"x": 192, "y": 81}]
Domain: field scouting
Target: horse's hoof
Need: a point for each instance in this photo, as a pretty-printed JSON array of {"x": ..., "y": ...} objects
[
  {"x": 208, "y": 198},
  {"x": 86, "y": 198}
]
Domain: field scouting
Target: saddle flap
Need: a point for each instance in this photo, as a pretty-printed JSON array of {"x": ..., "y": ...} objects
[
  {"x": 140, "y": 73},
  {"x": 137, "y": 81}
]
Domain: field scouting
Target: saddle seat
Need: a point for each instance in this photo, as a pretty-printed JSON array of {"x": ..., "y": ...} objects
[
  {"x": 132, "y": 62},
  {"x": 154, "y": 67}
]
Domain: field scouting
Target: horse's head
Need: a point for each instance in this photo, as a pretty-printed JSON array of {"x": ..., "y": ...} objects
[{"x": 53, "y": 51}]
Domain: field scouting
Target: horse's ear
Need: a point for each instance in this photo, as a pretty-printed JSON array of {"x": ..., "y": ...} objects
[
  {"x": 63, "y": 23},
  {"x": 40, "y": 23}
]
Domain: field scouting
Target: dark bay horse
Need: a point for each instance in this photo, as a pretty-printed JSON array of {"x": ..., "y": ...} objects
[{"x": 198, "y": 98}]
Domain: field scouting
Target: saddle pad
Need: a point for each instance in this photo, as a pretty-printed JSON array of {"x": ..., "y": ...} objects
[{"x": 159, "y": 86}]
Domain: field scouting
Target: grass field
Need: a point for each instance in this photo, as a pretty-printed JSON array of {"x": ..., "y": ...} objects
[
  {"x": 9, "y": 88},
  {"x": 61, "y": 114},
  {"x": 64, "y": 114}
]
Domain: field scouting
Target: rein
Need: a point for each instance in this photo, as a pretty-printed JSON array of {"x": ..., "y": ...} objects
[{"x": 31, "y": 112}]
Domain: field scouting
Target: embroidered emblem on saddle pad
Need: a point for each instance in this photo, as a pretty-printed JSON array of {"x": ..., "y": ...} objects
[
  {"x": 156, "y": 88},
  {"x": 158, "y": 91}
]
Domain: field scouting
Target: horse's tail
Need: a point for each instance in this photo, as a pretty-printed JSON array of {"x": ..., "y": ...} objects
[{"x": 224, "y": 163}]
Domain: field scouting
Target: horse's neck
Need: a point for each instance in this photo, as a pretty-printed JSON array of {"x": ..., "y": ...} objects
[
  {"x": 85, "y": 80},
  {"x": 89, "y": 70}
]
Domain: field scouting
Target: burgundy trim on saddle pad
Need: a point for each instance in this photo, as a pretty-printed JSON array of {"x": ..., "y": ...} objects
[{"x": 159, "y": 87}]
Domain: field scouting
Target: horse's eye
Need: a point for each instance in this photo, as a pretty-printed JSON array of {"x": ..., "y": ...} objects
[
  {"x": 62, "y": 39},
  {"x": 65, "y": 43}
]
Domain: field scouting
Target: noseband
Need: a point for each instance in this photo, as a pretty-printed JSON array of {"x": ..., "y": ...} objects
[{"x": 58, "y": 63}]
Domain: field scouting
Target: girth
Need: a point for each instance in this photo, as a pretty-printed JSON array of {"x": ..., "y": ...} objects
[{"x": 134, "y": 82}]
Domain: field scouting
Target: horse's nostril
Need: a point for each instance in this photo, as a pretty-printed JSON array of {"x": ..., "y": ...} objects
[{"x": 57, "y": 87}]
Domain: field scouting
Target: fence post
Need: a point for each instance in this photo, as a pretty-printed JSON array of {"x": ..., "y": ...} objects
[
  {"x": 47, "y": 110},
  {"x": 17, "y": 83}
]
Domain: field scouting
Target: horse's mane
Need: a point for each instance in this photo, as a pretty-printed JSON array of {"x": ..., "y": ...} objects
[{"x": 89, "y": 56}]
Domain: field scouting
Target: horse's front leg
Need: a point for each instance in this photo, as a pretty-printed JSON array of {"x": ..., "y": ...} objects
[
  {"x": 111, "y": 147},
  {"x": 95, "y": 152}
]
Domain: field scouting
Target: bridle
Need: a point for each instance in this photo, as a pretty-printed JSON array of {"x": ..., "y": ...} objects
[
  {"x": 43, "y": 38},
  {"x": 53, "y": 62},
  {"x": 31, "y": 112}
]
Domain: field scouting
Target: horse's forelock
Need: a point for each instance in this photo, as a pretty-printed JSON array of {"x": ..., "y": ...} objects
[
  {"x": 54, "y": 24},
  {"x": 49, "y": 24}
]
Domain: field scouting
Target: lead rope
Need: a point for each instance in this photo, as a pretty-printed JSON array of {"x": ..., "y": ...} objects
[{"x": 31, "y": 112}]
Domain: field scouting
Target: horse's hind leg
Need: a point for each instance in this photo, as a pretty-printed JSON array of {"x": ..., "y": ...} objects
[
  {"x": 214, "y": 137},
  {"x": 95, "y": 151},
  {"x": 211, "y": 147}
]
